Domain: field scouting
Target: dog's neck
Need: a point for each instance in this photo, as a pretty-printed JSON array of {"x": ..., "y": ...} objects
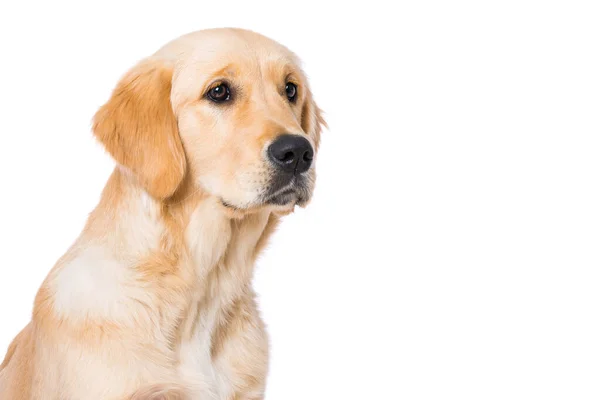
[
  {"x": 193, "y": 227},
  {"x": 190, "y": 251}
]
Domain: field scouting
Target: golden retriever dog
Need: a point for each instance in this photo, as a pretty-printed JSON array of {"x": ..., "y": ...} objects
[{"x": 215, "y": 138}]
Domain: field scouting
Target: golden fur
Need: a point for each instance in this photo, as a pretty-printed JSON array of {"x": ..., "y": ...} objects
[{"x": 154, "y": 299}]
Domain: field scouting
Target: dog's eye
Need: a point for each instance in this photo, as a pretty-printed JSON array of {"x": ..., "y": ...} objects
[
  {"x": 219, "y": 93},
  {"x": 291, "y": 90}
]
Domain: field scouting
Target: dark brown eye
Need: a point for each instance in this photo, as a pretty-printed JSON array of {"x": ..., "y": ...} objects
[
  {"x": 291, "y": 90},
  {"x": 219, "y": 93}
]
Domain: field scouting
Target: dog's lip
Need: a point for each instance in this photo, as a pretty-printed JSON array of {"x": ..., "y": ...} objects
[
  {"x": 284, "y": 193},
  {"x": 292, "y": 186},
  {"x": 299, "y": 198},
  {"x": 293, "y": 192},
  {"x": 229, "y": 205},
  {"x": 286, "y": 197}
]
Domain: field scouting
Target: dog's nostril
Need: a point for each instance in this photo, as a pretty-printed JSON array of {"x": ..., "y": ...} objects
[
  {"x": 307, "y": 156},
  {"x": 288, "y": 157}
]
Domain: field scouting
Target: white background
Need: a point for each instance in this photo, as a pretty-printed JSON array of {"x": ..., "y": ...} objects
[{"x": 452, "y": 247}]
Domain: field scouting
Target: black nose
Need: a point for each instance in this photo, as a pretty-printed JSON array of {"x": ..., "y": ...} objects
[{"x": 291, "y": 153}]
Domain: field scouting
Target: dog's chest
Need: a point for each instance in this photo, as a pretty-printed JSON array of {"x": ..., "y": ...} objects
[
  {"x": 195, "y": 361},
  {"x": 222, "y": 255}
]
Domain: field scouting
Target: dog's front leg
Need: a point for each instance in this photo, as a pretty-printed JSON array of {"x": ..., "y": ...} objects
[{"x": 240, "y": 351}]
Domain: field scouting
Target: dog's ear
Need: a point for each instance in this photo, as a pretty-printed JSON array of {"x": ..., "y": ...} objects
[
  {"x": 312, "y": 120},
  {"x": 138, "y": 127}
]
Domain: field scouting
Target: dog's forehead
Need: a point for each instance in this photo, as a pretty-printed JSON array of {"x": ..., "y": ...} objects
[{"x": 225, "y": 45}]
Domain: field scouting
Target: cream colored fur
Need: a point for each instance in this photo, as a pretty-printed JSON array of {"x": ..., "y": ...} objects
[{"x": 154, "y": 299}]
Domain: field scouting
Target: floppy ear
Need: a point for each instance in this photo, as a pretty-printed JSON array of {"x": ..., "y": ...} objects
[
  {"x": 137, "y": 126},
  {"x": 312, "y": 120}
]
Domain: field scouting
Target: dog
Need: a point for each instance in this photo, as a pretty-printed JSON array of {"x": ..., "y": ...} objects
[{"x": 215, "y": 138}]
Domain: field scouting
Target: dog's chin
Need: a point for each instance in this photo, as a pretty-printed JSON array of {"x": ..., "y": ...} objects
[
  {"x": 284, "y": 198},
  {"x": 281, "y": 203}
]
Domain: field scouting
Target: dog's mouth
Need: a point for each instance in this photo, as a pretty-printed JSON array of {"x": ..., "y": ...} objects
[
  {"x": 294, "y": 192},
  {"x": 284, "y": 197}
]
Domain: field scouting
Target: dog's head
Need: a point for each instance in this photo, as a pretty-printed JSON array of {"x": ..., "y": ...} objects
[{"x": 229, "y": 109}]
